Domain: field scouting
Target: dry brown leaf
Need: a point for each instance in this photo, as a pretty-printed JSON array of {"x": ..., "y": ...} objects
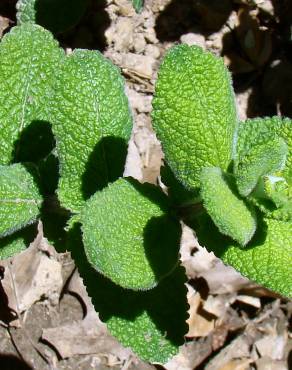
[
  {"x": 87, "y": 336},
  {"x": 32, "y": 275},
  {"x": 199, "y": 326}
]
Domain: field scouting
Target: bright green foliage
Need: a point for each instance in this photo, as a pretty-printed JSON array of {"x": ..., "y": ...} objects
[
  {"x": 229, "y": 213},
  {"x": 260, "y": 131},
  {"x": 157, "y": 329},
  {"x": 128, "y": 234},
  {"x": 273, "y": 196},
  {"x": 268, "y": 259},
  {"x": 262, "y": 159},
  {"x": 19, "y": 199},
  {"x": 92, "y": 124},
  {"x": 17, "y": 242},
  {"x": 150, "y": 322},
  {"x": 29, "y": 57},
  {"x": 55, "y": 15},
  {"x": 193, "y": 112},
  {"x": 138, "y": 5}
]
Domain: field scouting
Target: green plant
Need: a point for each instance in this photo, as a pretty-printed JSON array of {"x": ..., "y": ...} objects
[{"x": 65, "y": 124}]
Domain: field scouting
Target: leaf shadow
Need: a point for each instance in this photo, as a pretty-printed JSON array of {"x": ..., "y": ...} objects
[
  {"x": 59, "y": 15},
  {"x": 105, "y": 164},
  {"x": 198, "y": 16},
  {"x": 165, "y": 304}
]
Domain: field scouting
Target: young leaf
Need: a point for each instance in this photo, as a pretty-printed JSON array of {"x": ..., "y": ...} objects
[
  {"x": 128, "y": 234},
  {"x": 19, "y": 199},
  {"x": 92, "y": 124},
  {"x": 29, "y": 57},
  {"x": 262, "y": 159},
  {"x": 259, "y": 131},
  {"x": 229, "y": 213},
  {"x": 138, "y": 5},
  {"x": 152, "y": 323},
  {"x": 194, "y": 112},
  {"x": 55, "y": 15},
  {"x": 267, "y": 259},
  {"x": 273, "y": 196}
]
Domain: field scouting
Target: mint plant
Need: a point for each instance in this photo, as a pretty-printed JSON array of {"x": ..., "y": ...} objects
[{"x": 65, "y": 124}]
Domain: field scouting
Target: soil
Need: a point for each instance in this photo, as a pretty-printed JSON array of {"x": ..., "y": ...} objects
[{"x": 233, "y": 324}]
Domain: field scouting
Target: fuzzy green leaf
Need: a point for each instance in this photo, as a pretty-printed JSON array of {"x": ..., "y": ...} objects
[
  {"x": 267, "y": 259},
  {"x": 92, "y": 124},
  {"x": 138, "y": 5},
  {"x": 259, "y": 131},
  {"x": 262, "y": 159},
  {"x": 268, "y": 262},
  {"x": 229, "y": 213},
  {"x": 55, "y": 15},
  {"x": 29, "y": 57},
  {"x": 194, "y": 112},
  {"x": 273, "y": 196},
  {"x": 150, "y": 322},
  {"x": 128, "y": 234},
  {"x": 19, "y": 199},
  {"x": 17, "y": 242}
]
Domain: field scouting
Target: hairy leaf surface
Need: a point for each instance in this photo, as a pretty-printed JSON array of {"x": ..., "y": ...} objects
[
  {"x": 259, "y": 131},
  {"x": 262, "y": 159},
  {"x": 152, "y": 322},
  {"x": 92, "y": 124},
  {"x": 19, "y": 199},
  {"x": 194, "y": 112},
  {"x": 229, "y": 213},
  {"x": 128, "y": 234},
  {"x": 266, "y": 260},
  {"x": 29, "y": 57},
  {"x": 273, "y": 196},
  {"x": 54, "y": 15}
]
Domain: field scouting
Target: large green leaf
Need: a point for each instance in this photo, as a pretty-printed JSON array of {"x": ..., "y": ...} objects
[
  {"x": 19, "y": 199},
  {"x": 54, "y": 15},
  {"x": 267, "y": 259},
  {"x": 128, "y": 234},
  {"x": 152, "y": 323},
  {"x": 29, "y": 57},
  {"x": 194, "y": 112},
  {"x": 92, "y": 124},
  {"x": 229, "y": 213},
  {"x": 260, "y": 131}
]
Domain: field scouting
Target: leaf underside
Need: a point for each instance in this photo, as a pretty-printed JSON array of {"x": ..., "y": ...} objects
[
  {"x": 92, "y": 124},
  {"x": 128, "y": 235},
  {"x": 19, "y": 199},
  {"x": 227, "y": 210},
  {"x": 262, "y": 160},
  {"x": 194, "y": 112},
  {"x": 26, "y": 83},
  {"x": 259, "y": 132}
]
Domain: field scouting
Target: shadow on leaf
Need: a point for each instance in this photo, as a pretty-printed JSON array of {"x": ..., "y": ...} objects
[
  {"x": 105, "y": 164},
  {"x": 132, "y": 315}
]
